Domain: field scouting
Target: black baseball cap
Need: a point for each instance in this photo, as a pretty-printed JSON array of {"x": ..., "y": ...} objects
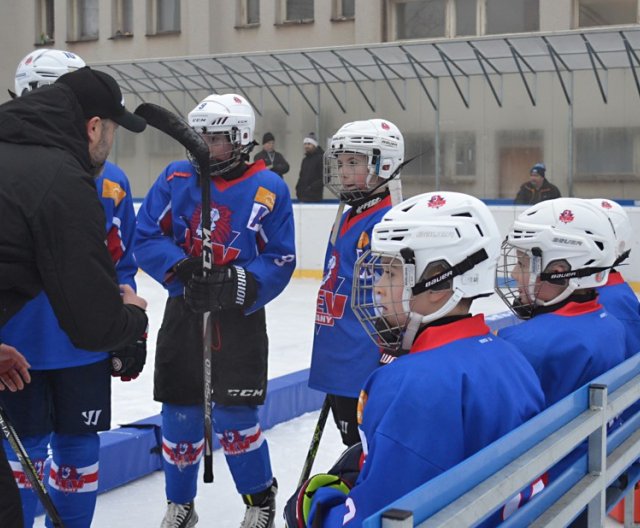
[{"x": 99, "y": 95}]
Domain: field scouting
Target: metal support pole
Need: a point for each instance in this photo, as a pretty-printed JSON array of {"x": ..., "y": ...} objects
[{"x": 598, "y": 453}]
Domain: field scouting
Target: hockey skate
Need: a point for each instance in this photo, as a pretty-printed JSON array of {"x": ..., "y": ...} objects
[
  {"x": 261, "y": 508},
  {"x": 179, "y": 516}
]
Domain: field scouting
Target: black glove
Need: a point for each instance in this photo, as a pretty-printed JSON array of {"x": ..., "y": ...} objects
[
  {"x": 187, "y": 268},
  {"x": 226, "y": 287},
  {"x": 127, "y": 362}
]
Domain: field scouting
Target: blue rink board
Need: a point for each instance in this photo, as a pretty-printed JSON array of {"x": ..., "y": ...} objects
[{"x": 132, "y": 451}]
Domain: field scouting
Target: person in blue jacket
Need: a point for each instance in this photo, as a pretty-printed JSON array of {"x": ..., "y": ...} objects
[
  {"x": 69, "y": 398},
  {"x": 555, "y": 256},
  {"x": 457, "y": 390},
  {"x": 364, "y": 159},
  {"x": 253, "y": 243},
  {"x": 616, "y": 295}
]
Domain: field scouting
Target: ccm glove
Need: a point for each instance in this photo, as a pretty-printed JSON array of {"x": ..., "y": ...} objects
[
  {"x": 127, "y": 362},
  {"x": 225, "y": 288},
  {"x": 298, "y": 508}
]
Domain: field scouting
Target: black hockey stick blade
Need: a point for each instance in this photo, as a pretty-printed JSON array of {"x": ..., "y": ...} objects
[
  {"x": 29, "y": 469},
  {"x": 177, "y": 128},
  {"x": 315, "y": 442}
]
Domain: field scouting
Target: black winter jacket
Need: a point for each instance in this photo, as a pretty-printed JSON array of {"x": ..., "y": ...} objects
[
  {"x": 279, "y": 165},
  {"x": 310, "y": 183},
  {"x": 529, "y": 195},
  {"x": 52, "y": 233}
]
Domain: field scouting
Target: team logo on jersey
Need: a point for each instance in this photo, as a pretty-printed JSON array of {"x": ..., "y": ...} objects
[
  {"x": 70, "y": 479},
  {"x": 113, "y": 191},
  {"x": 222, "y": 235},
  {"x": 330, "y": 305},
  {"x": 265, "y": 197},
  {"x": 566, "y": 216},
  {"x": 19, "y": 475},
  {"x": 182, "y": 454},
  {"x": 436, "y": 201}
]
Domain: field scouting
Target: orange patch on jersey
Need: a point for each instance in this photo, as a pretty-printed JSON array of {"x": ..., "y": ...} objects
[
  {"x": 113, "y": 190},
  {"x": 265, "y": 197},
  {"x": 363, "y": 241},
  {"x": 362, "y": 401}
]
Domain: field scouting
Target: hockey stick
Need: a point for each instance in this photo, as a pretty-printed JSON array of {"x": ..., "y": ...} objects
[
  {"x": 174, "y": 126},
  {"x": 29, "y": 470},
  {"x": 315, "y": 442}
]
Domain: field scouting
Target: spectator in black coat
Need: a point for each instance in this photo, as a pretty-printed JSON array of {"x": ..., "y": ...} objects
[
  {"x": 310, "y": 183},
  {"x": 537, "y": 189},
  {"x": 272, "y": 159}
]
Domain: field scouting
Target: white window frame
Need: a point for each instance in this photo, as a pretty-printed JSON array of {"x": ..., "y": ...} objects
[
  {"x": 242, "y": 14},
  {"x": 75, "y": 24},
  {"x": 449, "y": 21},
  {"x": 45, "y": 22},
  {"x": 337, "y": 13},
  {"x": 120, "y": 26},
  {"x": 576, "y": 15},
  {"x": 282, "y": 14},
  {"x": 153, "y": 19}
]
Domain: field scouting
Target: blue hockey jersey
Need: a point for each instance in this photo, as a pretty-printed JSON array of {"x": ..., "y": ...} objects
[
  {"x": 569, "y": 347},
  {"x": 343, "y": 354},
  {"x": 251, "y": 226},
  {"x": 620, "y": 301},
  {"x": 34, "y": 330},
  {"x": 459, "y": 389}
]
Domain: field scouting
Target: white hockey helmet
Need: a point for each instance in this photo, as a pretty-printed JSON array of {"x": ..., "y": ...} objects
[
  {"x": 621, "y": 226},
  {"x": 228, "y": 114},
  {"x": 42, "y": 67},
  {"x": 380, "y": 140},
  {"x": 572, "y": 232},
  {"x": 452, "y": 231}
]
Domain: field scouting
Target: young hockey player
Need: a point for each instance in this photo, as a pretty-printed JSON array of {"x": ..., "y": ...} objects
[
  {"x": 555, "y": 255},
  {"x": 363, "y": 159},
  {"x": 616, "y": 295},
  {"x": 69, "y": 382},
  {"x": 425, "y": 412},
  {"x": 254, "y": 258}
]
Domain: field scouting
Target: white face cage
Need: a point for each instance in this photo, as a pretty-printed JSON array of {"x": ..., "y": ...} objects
[
  {"x": 381, "y": 295},
  {"x": 238, "y": 152},
  {"x": 351, "y": 175}
]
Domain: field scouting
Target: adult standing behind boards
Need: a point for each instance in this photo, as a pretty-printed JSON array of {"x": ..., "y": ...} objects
[
  {"x": 310, "y": 183},
  {"x": 272, "y": 159},
  {"x": 53, "y": 142},
  {"x": 538, "y": 188}
]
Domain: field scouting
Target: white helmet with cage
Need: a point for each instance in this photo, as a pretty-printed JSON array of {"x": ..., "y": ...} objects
[
  {"x": 621, "y": 226},
  {"x": 43, "y": 67},
  {"x": 566, "y": 243},
  {"x": 383, "y": 145},
  {"x": 228, "y": 114},
  {"x": 432, "y": 242}
]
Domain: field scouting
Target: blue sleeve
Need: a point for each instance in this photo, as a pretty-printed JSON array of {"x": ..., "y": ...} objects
[
  {"x": 155, "y": 250},
  {"x": 127, "y": 267},
  {"x": 276, "y": 259}
]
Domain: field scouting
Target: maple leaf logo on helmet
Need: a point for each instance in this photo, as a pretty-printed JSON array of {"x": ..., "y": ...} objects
[
  {"x": 606, "y": 205},
  {"x": 385, "y": 126},
  {"x": 436, "y": 201},
  {"x": 238, "y": 100},
  {"x": 566, "y": 216}
]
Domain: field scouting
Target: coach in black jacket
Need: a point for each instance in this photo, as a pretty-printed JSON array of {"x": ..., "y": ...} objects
[{"x": 53, "y": 141}]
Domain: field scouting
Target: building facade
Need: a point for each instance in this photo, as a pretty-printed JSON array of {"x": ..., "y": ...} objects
[{"x": 482, "y": 89}]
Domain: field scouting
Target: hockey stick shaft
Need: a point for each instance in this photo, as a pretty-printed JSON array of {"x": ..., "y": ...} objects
[
  {"x": 315, "y": 442},
  {"x": 29, "y": 469},
  {"x": 174, "y": 126}
]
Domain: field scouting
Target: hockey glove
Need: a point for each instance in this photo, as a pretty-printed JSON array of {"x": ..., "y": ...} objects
[
  {"x": 187, "y": 268},
  {"x": 225, "y": 288},
  {"x": 127, "y": 362},
  {"x": 298, "y": 508}
]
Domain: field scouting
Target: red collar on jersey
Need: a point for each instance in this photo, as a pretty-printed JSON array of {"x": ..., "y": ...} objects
[
  {"x": 615, "y": 278},
  {"x": 437, "y": 336},
  {"x": 350, "y": 221},
  {"x": 572, "y": 309},
  {"x": 222, "y": 184}
]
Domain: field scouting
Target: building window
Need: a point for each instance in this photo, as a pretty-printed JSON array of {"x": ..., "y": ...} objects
[
  {"x": 344, "y": 9},
  {"x": 44, "y": 22},
  {"x": 163, "y": 16},
  {"x": 122, "y": 23},
  {"x": 421, "y": 19},
  {"x": 298, "y": 10},
  {"x": 512, "y": 16},
  {"x": 84, "y": 20},
  {"x": 606, "y": 12},
  {"x": 466, "y": 16},
  {"x": 606, "y": 152},
  {"x": 248, "y": 13}
]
